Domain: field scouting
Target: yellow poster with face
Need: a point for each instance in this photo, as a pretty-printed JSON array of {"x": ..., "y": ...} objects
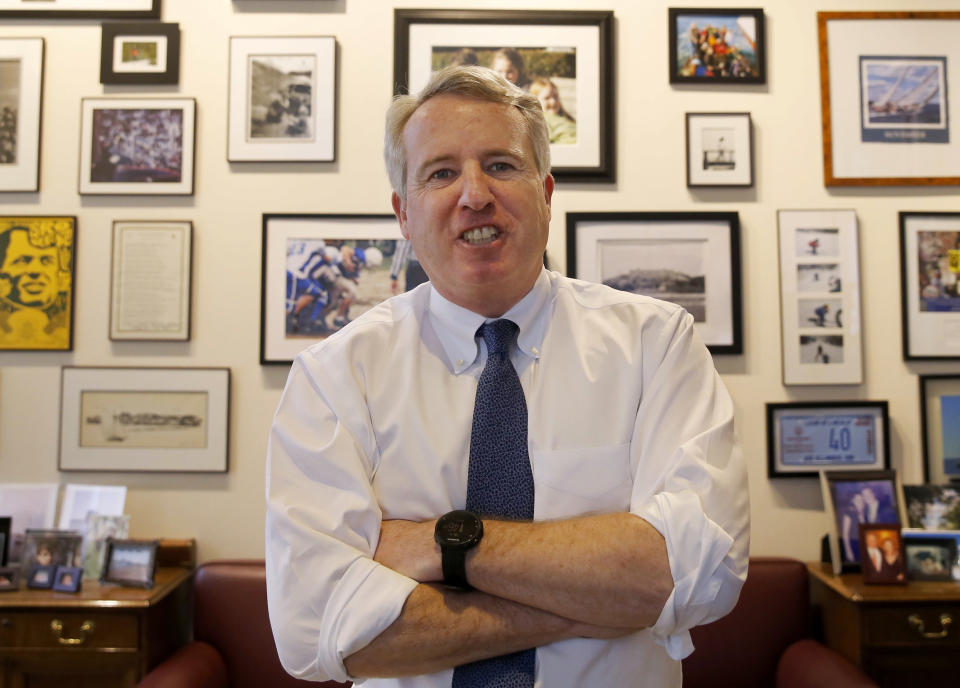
[{"x": 36, "y": 283}]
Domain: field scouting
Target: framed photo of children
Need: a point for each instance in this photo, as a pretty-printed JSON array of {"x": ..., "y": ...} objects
[
  {"x": 940, "y": 419},
  {"x": 719, "y": 149},
  {"x": 320, "y": 272},
  {"x": 137, "y": 146},
  {"x": 889, "y": 90},
  {"x": 717, "y": 46},
  {"x": 564, "y": 58},
  {"x": 691, "y": 259},
  {"x": 282, "y": 100},
  {"x": 21, "y": 96},
  {"x": 820, "y": 297},
  {"x": 930, "y": 285},
  {"x": 139, "y": 53},
  {"x": 81, "y": 9}
]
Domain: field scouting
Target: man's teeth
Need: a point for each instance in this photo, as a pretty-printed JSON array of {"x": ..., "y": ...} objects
[{"x": 480, "y": 235}]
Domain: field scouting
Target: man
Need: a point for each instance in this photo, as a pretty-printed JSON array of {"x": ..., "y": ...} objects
[
  {"x": 639, "y": 507},
  {"x": 874, "y": 554}
]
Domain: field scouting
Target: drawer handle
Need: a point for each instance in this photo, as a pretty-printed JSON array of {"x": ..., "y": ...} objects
[
  {"x": 57, "y": 627},
  {"x": 917, "y": 622}
]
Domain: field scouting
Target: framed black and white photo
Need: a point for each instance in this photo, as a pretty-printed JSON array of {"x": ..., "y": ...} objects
[
  {"x": 822, "y": 339},
  {"x": 282, "y": 100},
  {"x": 139, "y": 53},
  {"x": 144, "y": 419},
  {"x": 889, "y": 98},
  {"x": 21, "y": 99},
  {"x": 929, "y": 285},
  {"x": 717, "y": 46},
  {"x": 130, "y": 562},
  {"x": 150, "y": 280},
  {"x": 81, "y": 9},
  {"x": 719, "y": 149},
  {"x": 805, "y": 437},
  {"x": 852, "y": 498},
  {"x": 319, "y": 272},
  {"x": 137, "y": 146},
  {"x": 940, "y": 420},
  {"x": 564, "y": 58},
  {"x": 688, "y": 258}
]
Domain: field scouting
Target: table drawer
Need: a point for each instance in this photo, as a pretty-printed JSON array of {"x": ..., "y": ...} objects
[
  {"x": 97, "y": 630},
  {"x": 914, "y": 625}
]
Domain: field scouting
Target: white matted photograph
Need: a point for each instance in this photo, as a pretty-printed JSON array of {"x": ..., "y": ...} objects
[
  {"x": 21, "y": 95},
  {"x": 82, "y": 9},
  {"x": 139, "y": 53},
  {"x": 719, "y": 149}
]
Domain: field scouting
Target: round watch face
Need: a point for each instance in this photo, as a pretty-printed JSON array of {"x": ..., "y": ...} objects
[{"x": 458, "y": 528}]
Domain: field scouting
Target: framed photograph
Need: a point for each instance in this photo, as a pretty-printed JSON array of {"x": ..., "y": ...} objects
[
  {"x": 691, "y": 259},
  {"x": 67, "y": 579},
  {"x": 929, "y": 285},
  {"x": 80, "y": 500},
  {"x": 49, "y": 547},
  {"x": 719, "y": 149},
  {"x": 822, "y": 337},
  {"x": 21, "y": 105},
  {"x": 940, "y": 420},
  {"x": 564, "y": 58},
  {"x": 81, "y": 9},
  {"x": 283, "y": 97},
  {"x": 319, "y": 272},
  {"x": 101, "y": 527},
  {"x": 144, "y": 419},
  {"x": 6, "y": 533},
  {"x": 888, "y": 90},
  {"x": 137, "y": 146},
  {"x": 805, "y": 437},
  {"x": 882, "y": 554},
  {"x": 852, "y": 498},
  {"x": 9, "y": 578},
  {"x": 41, "y": 576},
  {"x": 37, "y": 274},
  {"x": 130, "y": 562},
  {"x": 717, "y": 46},
  {"x": 931, "y": 558},
  {"x": 932, "y": 507},
  {"x": 151, "y": 278},
  {"x": 139, "y": 53}
]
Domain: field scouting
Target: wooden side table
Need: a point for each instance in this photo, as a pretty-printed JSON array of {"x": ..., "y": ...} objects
[
  {"x": 105, "y": 636},
  {"x": 901, "y": 635}
]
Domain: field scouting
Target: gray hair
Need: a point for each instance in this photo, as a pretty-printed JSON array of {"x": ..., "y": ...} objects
[{"x": 473, "y": 82}]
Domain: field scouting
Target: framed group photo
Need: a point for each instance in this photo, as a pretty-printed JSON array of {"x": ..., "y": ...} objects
[
  {"x": 717, "y": 46},
  {"x": 691, "y": 259},
  {"x": 719, "y": 149},
  {"x": 139, "y": 53},
  {"x": 565, "y": 58},
  {"x": 21, "y": 101},
  {"x": 889, "y": 94},
  {"x": 81, "y": 9}
]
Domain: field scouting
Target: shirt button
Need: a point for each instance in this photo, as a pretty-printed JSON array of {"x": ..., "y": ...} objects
[
  {"x": 536, "y": 351},
  {"x": 460, "y": 362}
]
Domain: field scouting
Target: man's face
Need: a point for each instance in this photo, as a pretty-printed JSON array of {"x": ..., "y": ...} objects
[
  {"x": 32, "y": 271},
  {"x": 871, "y": 540},
  {"x": 476, "y": 209}
]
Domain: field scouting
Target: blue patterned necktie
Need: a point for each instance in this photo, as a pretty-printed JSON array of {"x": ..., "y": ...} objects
[{"x": 499, "y": 482}]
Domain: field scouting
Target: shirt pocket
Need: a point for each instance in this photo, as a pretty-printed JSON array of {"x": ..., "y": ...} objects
[{"x": 574, "y": 482}]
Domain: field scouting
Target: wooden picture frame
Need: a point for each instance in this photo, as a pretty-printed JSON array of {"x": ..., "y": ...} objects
[
  {"x": 139, "y": 53},
  {"x": 81, "y": 9},
  {"x": 131, "y": 563},
  {"x": 719, "y": 149},
  {"x": 883, "y": 541},
  {"x": 21, "y": 108},
  {"x": 721, "y": 46}
]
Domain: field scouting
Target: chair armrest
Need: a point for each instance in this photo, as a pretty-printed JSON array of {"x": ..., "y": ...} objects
[
  {"x": 195, "y": 665},
  {"x": 809, "y": 664}
]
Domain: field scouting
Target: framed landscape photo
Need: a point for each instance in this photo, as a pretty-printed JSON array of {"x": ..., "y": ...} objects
[
  {"x": 889, "y": 89},
  {"x": 151, "y": 278},
  {"x": 139, "y": 53},
  {"x": 319, "y": 272},
  {"x": 81, "y": 9},
  {"x": 144, "y": 419},
  {"x": 719, "y": 149},
  {"x": 21, "y": 105},
  {"x": 717, "y": 46},
  {"x": 822, "y": 338},
  {"x": 130, "y": 562},
  {"x": 930, "y": 285},
  {"x": 805, "y": 437},
  {"x": 283, "y": 97},
  {"x": 565, "y": 58},
  {"x": 137, "y": 146},
  {"x": 691, "y": 259},
  {"x": 940, "y": 419}
]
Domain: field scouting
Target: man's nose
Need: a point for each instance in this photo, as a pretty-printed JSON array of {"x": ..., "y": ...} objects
[{"x": 475, "y": 192}]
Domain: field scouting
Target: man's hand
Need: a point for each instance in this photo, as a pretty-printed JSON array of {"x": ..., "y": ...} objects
[{"x": 408, "y": 547}]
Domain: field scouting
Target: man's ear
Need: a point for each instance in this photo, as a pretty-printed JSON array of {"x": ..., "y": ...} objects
[
  {"x": 400, "y": 210},
  {"x": 548, "y": 189}
]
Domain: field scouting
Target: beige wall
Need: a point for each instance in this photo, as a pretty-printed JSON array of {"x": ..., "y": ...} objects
[{"x": 225, "y": 512}]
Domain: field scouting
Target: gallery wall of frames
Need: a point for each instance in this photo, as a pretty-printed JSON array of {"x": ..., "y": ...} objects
[{"x": 188, "y": 175}]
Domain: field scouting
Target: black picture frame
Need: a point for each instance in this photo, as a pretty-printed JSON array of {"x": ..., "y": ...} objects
[
  {"x": 725, "y": 169},
  {"x": 941, "y": 556},
  {"x": 152, "y": 11},
  {"x": 167, "y": 53},
  {"x": 934, "y": 389},
  {"x": 67, "y": 579},
  {"x": 601, "y": 167},
  {"x": 758, "y": 68},
  {"x": 132, "y": 563},
  {"x": 723, "y": 332},
  {"x": 5, "y": 535},
  {"x": 812, "y": 411},
  {"x": 9, "y": 578}
]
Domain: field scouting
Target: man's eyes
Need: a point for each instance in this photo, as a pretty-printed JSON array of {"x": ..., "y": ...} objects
[
  {"x": 441, "y": 174},
  {"x": 501, "y": 167}
]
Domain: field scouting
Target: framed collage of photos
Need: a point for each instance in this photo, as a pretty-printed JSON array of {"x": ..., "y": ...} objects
[
  {"x": 822, "y": 339},
  {"x": 139, "y": 53},
  {"x": 688, "y": 258},
  {"x": 282, "y": 102},
  {"x": 81, "y": 9},
  {"x": 719, "y": 149},
  {"x": 564, "y": 58},
  {"x": 940, "y": 422},
  {"x": 717, "y": 46},
  {"x": 21, "y": 99}
]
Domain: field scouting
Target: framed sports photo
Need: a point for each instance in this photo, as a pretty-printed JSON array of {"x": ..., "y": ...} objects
[
  {"x": 889, "y": 96},
  {"x": 319, "y": 272},
  {"x": 137, "y": 146},
  {"x": 130, "y": 562},
  {"x": 37, "y": 274},
  {"x": 940, "y": 420},
  {"x": 719, "y": 149},
  {"x": 564, "y": 58},
  {"x": 21, "y": 104},
  {"x": 81, "y": 9},
  {"x": 717, "y": 46},
  {"x": 805, "y": 437},
  {"x": 139, "y": 53},
  {"x": 691, "y": 259},
  {"x": 822, "y": 340},
  {"x": 144, "y": 419}
]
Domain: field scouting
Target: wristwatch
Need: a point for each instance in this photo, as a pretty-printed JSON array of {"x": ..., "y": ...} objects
[{"x": 457, "y": 532}]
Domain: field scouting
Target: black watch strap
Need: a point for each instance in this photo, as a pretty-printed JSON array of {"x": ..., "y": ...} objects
[{"x": 455, "y": 567}]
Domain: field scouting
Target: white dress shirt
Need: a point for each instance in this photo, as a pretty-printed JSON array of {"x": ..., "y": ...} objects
[{"x": 626, "y": 413}]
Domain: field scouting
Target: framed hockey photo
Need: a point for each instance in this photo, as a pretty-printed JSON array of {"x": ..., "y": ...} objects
[
  {"x": 130, "y": 562},
  {"x": 21, "y": 105},
  {"x": 283, "y": 97},
  {"x": 719, "y": 149},
  {"x": 691, "y": 259},
  {"x": 139, "y": 53},
  {"x": 717, "y": 46},
  {"x": 81, "y": 9},
  {"x": 137, "y": 146}
]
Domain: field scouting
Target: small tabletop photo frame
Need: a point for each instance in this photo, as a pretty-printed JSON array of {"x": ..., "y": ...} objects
[
  {"x": 882, "y": 554},
  {"x": 130, "y": 562},
  {"x": 67, "y": 579},
  {"x": 932, "y": 556},
  {"x": 719, "y": 149},
  {"x": 9, "y": 578}
]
